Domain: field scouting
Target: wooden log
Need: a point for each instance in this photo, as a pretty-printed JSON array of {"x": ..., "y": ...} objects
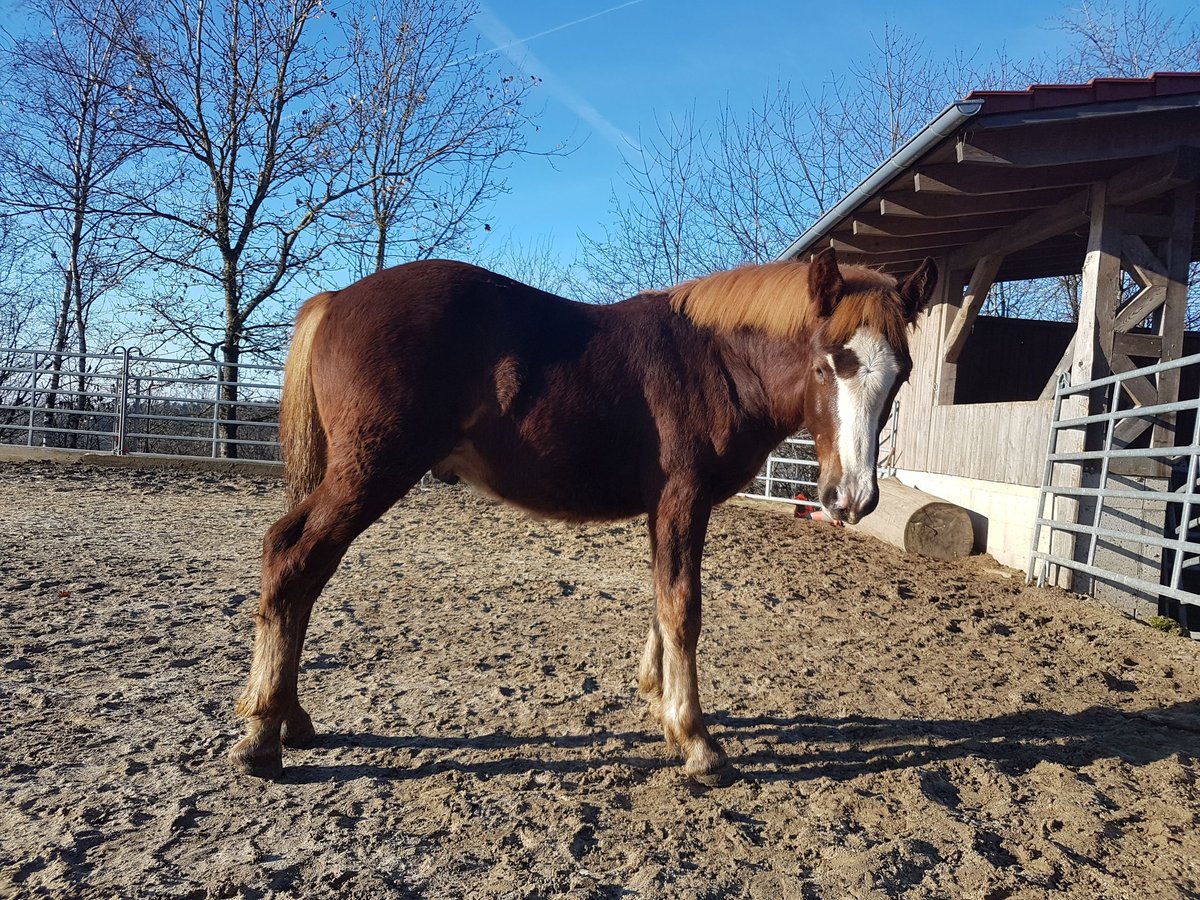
[{"x": 918, "y": 523}]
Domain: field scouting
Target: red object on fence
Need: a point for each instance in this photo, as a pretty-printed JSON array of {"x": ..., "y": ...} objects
[{"x": 815, "y": 513}]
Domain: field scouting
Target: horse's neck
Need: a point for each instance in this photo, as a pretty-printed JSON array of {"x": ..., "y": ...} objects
[{"x": 780, "y": 366}]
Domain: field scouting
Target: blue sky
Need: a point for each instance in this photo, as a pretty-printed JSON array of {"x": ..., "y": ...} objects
[{"x": 606, "y": 78}]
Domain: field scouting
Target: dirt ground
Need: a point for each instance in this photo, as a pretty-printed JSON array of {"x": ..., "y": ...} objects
[{"x": 905, "y": 728}]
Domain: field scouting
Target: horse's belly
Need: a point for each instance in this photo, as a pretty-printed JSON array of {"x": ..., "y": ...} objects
[{"x": 543, "y": 491}]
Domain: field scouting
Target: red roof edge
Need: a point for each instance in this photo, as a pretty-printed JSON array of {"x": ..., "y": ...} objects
[{"x": 1098, "y": 90}]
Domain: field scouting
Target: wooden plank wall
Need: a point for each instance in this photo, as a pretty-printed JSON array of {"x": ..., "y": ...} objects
[{"x": 1003, "y": 442}]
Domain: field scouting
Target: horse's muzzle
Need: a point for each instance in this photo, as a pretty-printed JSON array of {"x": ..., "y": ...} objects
[{"x": 850, "y": 503}]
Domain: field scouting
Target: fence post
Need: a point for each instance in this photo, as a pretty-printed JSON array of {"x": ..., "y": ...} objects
[
  {"x": 32, "y": 400},
  {"x": 889, "y": 462},
  {"x": 122, "y": 403},
  {"x": 216, "y": 412}
]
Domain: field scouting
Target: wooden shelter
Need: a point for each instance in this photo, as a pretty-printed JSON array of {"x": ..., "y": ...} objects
[{"x": 1086, "y": 181}]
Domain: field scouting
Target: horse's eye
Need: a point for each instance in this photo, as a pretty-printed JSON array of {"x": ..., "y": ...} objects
[{"x": 822, "y": 372}]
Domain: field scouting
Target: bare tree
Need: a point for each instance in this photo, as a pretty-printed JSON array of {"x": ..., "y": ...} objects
[
  {"x": 17, "y": 298},
  {"x": 1131, "y": 39},
  {"x": 660, "y": 234},
  {"x": 534, "y": 263},
  {"x": 704, "y": 197},
  {"x": 65, "y": 156},
  {"x": 260, "y": 118},
  {"x": 432, "y": 124},
  {"x": 241, "y": 115}
]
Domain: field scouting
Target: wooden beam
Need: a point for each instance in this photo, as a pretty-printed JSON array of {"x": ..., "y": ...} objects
[
  {"x": 981, "y": 282},
  {"x": 951, "y": 178},
  {"x": 1144, "y": 302},
  {"x": 1178, "y": 253},
  {"x": 1017, "y": 269},
  {"x": 1140, "y": 262},
  {"x": 1147, "y": 179},
  {"x": 1098, "y": 295},
  {"x": 1099, "y": 291},
  {"x": 946, "y": 374},
  {"x": 924, "y": 205},
  {"x": 916, "y": 245},
  {"x": 1133, "y": 344},
  {"x": 1078, "y": 142},
  {"x": 873, "y": 225},
  {"x": 1054, "y": 256},
  {"x": 907, "y": 258},
  {"x": 1045, "y": 223},
  {"x": 1156, "y": 176},
  {"x": 1063, "y": 365},
  {"x": 1143, "y": 392}
]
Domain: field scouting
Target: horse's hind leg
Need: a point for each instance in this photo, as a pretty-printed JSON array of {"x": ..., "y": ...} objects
[{"x": 300, "y": 553}]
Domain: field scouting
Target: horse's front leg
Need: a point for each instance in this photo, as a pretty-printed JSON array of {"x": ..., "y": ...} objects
[{"x": 678, "y": 526}]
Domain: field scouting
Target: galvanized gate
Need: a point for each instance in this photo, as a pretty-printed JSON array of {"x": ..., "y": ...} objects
[
  {"x": 792, "y": 468},
  {"x": 124, "y": 402},
  {"x": 1123, "y": 515}
]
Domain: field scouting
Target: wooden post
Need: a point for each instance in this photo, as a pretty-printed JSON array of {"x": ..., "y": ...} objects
[
  {"x": 1099, "y": 293},
  {"x": 1174, "y": 312},
  {"x": 947, "y": 373}
]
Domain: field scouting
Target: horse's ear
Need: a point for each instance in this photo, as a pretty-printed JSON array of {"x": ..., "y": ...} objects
[
  {"x": 917, "y": 288},
  {"x": 825, "y": 283}
]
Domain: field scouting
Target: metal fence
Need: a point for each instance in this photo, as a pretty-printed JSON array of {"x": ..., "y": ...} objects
[
  {"x": 1127, "y": 516},
  {"x": 790, "y": 472},
  {"x": 128, "y": 403},
  {"x": 125, "y": 402}
]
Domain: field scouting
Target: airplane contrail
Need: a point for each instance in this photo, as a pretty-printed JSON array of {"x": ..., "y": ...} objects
[
  {"x": 574, "y": 22},
  {"x": 514, "y": 48}
]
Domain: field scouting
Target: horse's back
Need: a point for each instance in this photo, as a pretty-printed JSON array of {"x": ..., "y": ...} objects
[{"x": 532, "y": 397}]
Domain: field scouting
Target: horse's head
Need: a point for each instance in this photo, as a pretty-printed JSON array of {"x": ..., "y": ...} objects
[{"x": 860, "y": 359}]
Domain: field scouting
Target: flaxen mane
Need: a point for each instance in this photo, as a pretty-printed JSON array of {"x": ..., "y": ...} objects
[{"x": 773, "y": 298}]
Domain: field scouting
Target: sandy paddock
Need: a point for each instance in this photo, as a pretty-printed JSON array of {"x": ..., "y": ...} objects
[{"x": 905, "y": 728}]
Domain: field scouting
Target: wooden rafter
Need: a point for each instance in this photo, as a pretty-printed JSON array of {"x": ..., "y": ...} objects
[
  {"x": 1138, "y": 182},
  {"x": 926, "y": 205},
  {"x": 1033, "y": 229},
  {"x": 917, "y": 245},
  {"x": 956, "y": 178},
  {"x": 907, "y": 227}
]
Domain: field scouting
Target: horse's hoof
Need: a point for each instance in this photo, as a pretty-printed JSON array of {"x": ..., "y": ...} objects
[
  {"x": 253, "y": 761},
  {"x": 298, "y": 732},
  {"x": 723, "y": 776}
]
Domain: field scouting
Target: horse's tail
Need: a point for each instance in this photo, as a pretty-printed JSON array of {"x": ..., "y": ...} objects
[{"x": 301, "y": 435}]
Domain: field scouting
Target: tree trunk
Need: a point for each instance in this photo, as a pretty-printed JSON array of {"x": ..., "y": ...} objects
[
  {"x": 62, "y": 330},
  {"x": 227, "y": 432}
]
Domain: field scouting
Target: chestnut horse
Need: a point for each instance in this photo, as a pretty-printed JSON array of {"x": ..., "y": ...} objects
[{"x": 665, "y": 404}]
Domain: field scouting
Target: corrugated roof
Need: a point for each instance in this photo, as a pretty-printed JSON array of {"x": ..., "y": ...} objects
[{"x": 1098, "y": 90}]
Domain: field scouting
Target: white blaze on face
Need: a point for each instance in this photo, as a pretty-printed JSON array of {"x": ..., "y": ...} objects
[{"x": 860, "y": 401}]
